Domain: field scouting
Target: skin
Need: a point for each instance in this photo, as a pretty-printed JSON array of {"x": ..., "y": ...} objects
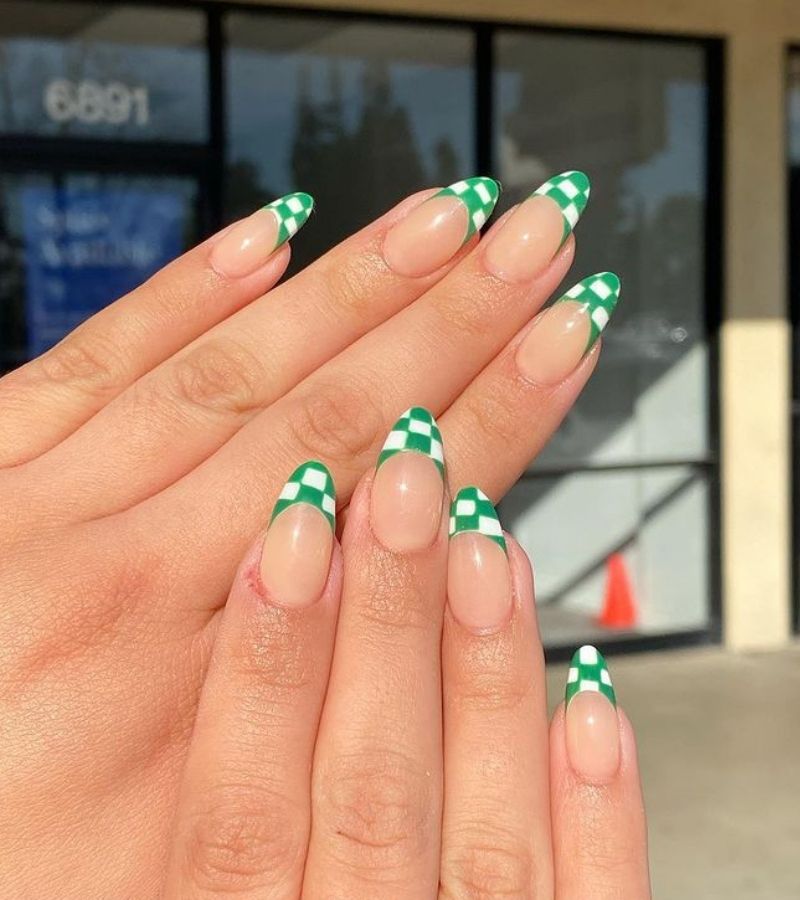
[
  {"x": 407, "y": 754},
  {"x": 138, "y": 458}
]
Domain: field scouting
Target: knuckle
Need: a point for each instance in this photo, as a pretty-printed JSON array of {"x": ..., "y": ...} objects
[
  {"x": 378, "y": 807},
  {"x": 486, "y": 686},
  {"x": 242, "y": 838},
  {"x": 336, "y": 422},
  {"x": 473, "y": 312},
  {"x": 218, "y": 376},
  {"x": 491, "y": 863},
  {"x": 272, "y": 654},
  {"x": 350, "y": 283},
  {"x": 493, "y": 418},
  {"x": 85, "y": 361}
]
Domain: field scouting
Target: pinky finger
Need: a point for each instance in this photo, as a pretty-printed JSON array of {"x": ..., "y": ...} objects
[{"x": 599, "y": 829}]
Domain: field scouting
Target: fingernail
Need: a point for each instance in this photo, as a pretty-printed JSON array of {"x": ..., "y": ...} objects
[
  {"x": 407, "y": 493},
  {"x": 564, "y": 334},
  {"x": 592, "y": 726},
  {"x": 428, "y": 236},
  {"x": 530, "y": 237},
  {"x": 248, "y": 245},
  {"x": 297, "y": 547},
  {"x": 478, "y": 576}
]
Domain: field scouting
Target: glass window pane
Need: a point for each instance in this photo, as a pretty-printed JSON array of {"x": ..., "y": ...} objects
[
  {"x": 631, "y": 113},
  {"x": 71, "y": 243},
  {"x": 357, "y": 113},
  {"x": 657, "y": 520},
  {"x": 89, "y": 70}
]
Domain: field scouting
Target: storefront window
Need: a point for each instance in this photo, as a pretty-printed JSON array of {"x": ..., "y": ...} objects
[
  {"x": 89, "y": 70},
  {"x": 359, "y": 114},
  {"x": 632, "y": 114}
]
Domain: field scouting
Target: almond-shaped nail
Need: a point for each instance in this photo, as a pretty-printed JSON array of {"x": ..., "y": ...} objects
[
  {"x": 408, "y": 489},
  {"x": 435, "y": 230},
  {"x": 478, "y": 575},
  {"x": 564, "y": 333},
  {"x": 592, "y": 724},
  {"x": 296, "y": 555},
  {"x": 533, "y": 233},
  {"x": 250, "y": 242}
]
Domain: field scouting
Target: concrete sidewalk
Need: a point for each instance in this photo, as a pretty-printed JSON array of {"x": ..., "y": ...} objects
[{"x": 719, "y": 743}]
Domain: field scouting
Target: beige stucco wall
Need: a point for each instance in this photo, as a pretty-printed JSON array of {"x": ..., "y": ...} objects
[{"x": 755, "y": 360}]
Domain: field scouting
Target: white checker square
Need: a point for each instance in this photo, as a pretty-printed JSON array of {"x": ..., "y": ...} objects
[
  {"x": 479, "y": 219},
  {"x": 290, "y": 490},
  {"x": 572, "y": 675},
  {"x": 465, "y": 507},
  {"x": 395, "y": 441},
  {"x": 418, "y": 427},
  {"x": 587, "y": 656},
  {"x": 459, "y": 187},
  {"x": 315, "y": 479},
  {"x": 605, "y": 677},
  {"x": 437, "y": 451},
  {"x": 575, "y": 291},
  {"x": 600, "y": 288},
  {"x": 290, "y": 225},
  {"x": 483, "y": 193},
  {"x": 568, "y": 188},
  {"x": 294, "y": 205},
  {"x": 571, "y": 214},
  {"x": 452, "y": 524},
  {"x": 489, "y": 526},
  {"x": 328, "y": 504},
  {"x": 600, "y": 317},
  {"x": 587, "y": 685}
]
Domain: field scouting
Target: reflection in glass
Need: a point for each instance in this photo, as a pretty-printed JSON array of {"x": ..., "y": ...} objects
[
  {"x": 631, "y": 113},
  {"x": 72, "y": 243},
  {"x": 359, "y": 114},
  {"x": 572, "y": 525}
]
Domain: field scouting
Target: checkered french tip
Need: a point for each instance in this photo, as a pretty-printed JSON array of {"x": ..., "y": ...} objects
[
  {"x": 599, "y": 295},
  {"x": 588, "y": 672},
  {"x": 571, "y": 191},
  {"x": 472, "y": 510},
  {"x": 416, "y": 431},
  {"x": 292, "y": 212},
  {"x": 310, "y": 483},
  {"x": 479, "y": 195}
]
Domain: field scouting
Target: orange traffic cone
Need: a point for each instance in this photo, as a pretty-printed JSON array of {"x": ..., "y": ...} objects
[{"x": 619, "y": 604}]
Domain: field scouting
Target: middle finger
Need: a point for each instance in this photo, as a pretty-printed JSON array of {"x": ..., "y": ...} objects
[{"x": 377, "y": 782}]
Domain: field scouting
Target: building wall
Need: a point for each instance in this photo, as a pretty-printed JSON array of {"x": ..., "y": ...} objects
[{"x": 755, "y": 371}]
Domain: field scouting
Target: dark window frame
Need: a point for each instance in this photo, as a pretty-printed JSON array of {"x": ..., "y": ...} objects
[{"x": 207, "y": 160}]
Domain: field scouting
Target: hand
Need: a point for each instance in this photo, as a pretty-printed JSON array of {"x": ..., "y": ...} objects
[
  {"x": 139, "y": 456},
  {"x": 347, "y": 746}
]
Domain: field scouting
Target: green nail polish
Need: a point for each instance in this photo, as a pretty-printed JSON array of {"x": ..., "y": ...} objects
[
  {"x": 571, "y": 192},
  {"x": 310, "y": 483},
  {"x": 588, "y": 672},
  {"x": 479, "y": 195},
  {"x": 599, "y": 295},
  {"x": 292, "y": 212},
  {"x": 416, "y": 430},
  {"x": 472, "y": 510}
]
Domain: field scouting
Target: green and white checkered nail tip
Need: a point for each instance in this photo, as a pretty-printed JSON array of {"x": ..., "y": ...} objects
[
  {"x": 570, "y": 190},
  {"x": 292, "y": 212},
  {"x": 599, "y": 295},
  {"x": 472, "y": 510},
  {"x": 479, "y": 195},
  {"x": 310, "y": 483},
  {"x": 588, "y": 672},
  {"x": 416, "y": 431}
]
